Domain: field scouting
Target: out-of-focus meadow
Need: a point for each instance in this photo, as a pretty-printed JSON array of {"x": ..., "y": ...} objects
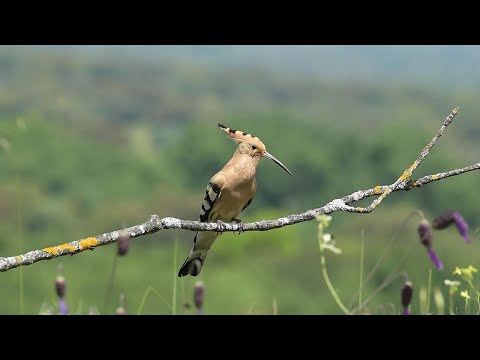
[{"x": 93, "y": 139}]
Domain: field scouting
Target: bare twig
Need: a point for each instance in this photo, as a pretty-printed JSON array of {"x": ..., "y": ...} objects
[{"x": 156, "y": 224}]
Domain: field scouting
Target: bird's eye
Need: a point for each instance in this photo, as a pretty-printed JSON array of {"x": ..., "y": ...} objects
[{"x": 253, "y": 147}]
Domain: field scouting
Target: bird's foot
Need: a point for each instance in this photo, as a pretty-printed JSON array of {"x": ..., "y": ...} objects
[
  {"x": 221, "y": 226},
  {"x": 240, "y": 225}
]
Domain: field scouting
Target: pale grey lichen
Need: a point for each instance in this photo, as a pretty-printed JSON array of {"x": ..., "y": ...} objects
[
  {"x": 171, "y": 222},
  {"x": 357, "y": 195},
  {"x": 334, "y": 205}
]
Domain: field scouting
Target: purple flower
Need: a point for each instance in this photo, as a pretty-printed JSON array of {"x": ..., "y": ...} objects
[
  {"x": 446, "y": 219},
  {"x": 407, "y": 292},
  {"x": 123, "y": 241},
  {"x": 60, "y": 282},
  {"x": 443, "y": 220},
  {"x": 60, "y": 289},
  {"x": 425, "y": 233},
  {"x": 462, "y": 226},
  {"x": 198, "y": 295},
  {"x": 435, "y": 259},
  {"x": 62, "y": 307},
  {"x": 60, "y": 286}
]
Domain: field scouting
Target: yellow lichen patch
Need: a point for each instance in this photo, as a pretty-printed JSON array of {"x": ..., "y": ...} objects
[
  {"x": 407, "y": 173},
  {"x": 66, "y": 248},
  {"x": 88, "y": 243},
  {"x": 359, "y": 209},
  {"x": 18, "y": 258},
  {"x": 377, "y": 190},
  {"x": 404, "y": 176},
  {"x": 435, "y": 177},
  {"x": 60, "y": 249},
  {"x": 51, "y": 250}
]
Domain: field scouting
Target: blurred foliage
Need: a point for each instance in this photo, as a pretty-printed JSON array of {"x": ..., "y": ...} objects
[{"x": 89, "y": 145}]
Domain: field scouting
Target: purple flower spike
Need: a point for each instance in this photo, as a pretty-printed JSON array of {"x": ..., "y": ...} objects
[
  {"x": 60, "y": 286},
  {"x": 122, "y": 244},
  {"x": 62, "y": 307},
  {"x": 425, "y": 233},
  {"x": 435, "y": 259},
  {"x": 450, "y": 217},
  {"x": 462, "y": 226},
  {"x": 443, "y": 221},
  {"x": 406, "y": 297},
  {"x": 198, "y": 295}
]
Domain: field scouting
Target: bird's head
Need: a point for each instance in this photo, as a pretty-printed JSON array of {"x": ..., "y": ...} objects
[{"x": 251, "y": 145}]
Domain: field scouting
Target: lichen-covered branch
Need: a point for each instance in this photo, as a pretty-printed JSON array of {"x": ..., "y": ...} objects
[
  {"x": 156, "y": 224},
  {"x": 407, "y": 174}
]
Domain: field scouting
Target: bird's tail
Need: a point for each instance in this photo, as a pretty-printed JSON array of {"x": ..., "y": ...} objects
[
  {"x": 195, "y": 260},
  {"x": 193, "y": 263}
]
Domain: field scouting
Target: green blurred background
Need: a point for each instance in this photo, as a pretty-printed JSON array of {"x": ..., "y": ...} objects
[{"x": 96, "y": 138}]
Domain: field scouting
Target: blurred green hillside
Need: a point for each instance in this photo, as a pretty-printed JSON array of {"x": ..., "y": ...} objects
[{"x": 93, "y": 144}]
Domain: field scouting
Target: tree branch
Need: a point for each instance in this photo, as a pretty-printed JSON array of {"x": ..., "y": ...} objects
[
  {"x": 155, "y": 224},
  {"x": 407, "y": 174}
]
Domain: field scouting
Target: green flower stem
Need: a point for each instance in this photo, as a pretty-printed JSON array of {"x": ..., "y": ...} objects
[{"x": 329, "y": 284}]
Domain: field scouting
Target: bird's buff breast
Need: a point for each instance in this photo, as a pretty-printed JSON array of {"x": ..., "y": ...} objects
[{"x": 233, "y": 201}]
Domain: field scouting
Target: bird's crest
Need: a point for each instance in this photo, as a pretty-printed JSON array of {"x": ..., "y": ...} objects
[{"x": 240, "y": 136}]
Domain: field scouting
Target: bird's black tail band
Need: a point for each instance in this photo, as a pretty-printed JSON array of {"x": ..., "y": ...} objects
[{"x": 191, "y": 267}]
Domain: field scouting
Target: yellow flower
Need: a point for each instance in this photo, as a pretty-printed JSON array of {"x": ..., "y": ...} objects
[
  {"x": 457, "y": 271},
  {"x": 466, "y": 273},
  {"x": 471, "y": 269},
  {"x": 465, "y": 294}
]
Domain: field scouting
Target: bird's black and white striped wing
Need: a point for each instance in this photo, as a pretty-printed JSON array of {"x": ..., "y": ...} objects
[
  {"x": 202, "y": 241},
  {"x": 212, "y": 194}
]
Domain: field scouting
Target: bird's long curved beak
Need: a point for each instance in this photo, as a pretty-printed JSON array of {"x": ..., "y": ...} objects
[{"x": 279, "y": 163}]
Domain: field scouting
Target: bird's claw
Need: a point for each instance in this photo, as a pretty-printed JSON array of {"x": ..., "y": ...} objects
[
  {"x": 240, "y": 225},
  {"x": 221, "y": 226}
]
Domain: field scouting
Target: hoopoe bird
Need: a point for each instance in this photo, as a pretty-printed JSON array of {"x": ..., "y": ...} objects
[{"x": 228, "y": 193}]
